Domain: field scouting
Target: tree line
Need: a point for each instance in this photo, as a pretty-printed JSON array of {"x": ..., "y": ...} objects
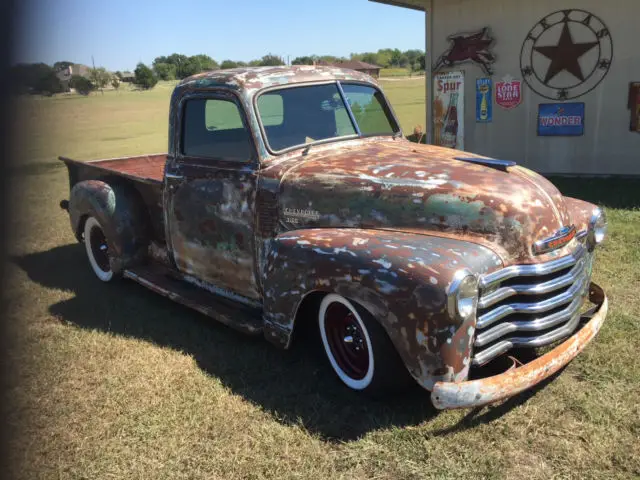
[
  {"x": 45, "y": 79},
  {"x": 385, "y": 58}
]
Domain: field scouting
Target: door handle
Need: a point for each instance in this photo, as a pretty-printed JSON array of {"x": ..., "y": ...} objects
[{"x": 173, "y": 176}]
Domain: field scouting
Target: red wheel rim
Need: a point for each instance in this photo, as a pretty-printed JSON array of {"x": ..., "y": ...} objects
[{"x": 346, "y": 341}]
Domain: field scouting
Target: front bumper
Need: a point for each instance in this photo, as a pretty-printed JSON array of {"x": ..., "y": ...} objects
[{"x": 477, "y": 393}]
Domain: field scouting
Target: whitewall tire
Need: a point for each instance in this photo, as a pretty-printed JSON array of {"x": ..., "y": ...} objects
[
  {"x": 97, "y": 248},
  {"x": 346, "y": 342}
]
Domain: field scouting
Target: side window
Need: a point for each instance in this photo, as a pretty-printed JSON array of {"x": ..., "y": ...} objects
[
  {"x": 213, "y": 128},
  {"x": 271, "y": 110},
  {"x": 369, "y": 109}
]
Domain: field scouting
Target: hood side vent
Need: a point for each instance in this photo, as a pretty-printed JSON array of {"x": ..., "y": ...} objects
[{"x": 489, "y": 162}]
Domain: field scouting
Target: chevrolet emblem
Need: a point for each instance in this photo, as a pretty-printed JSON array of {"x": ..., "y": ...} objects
[{"x": 559, "y": 239}]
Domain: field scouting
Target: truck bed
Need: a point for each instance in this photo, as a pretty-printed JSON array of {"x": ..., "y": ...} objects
[
  {"x": 144, "y": 173},
  {"x": 145, "y": 168}
]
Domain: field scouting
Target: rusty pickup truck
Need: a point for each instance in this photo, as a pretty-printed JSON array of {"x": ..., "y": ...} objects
[{"x": 289, "y": 196}]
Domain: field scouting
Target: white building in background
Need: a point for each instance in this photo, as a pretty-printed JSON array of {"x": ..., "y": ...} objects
[{"x": 564, "y": 89}]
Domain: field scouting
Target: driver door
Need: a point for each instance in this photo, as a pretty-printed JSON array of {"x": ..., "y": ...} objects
[{"x": 210, "y": 188}]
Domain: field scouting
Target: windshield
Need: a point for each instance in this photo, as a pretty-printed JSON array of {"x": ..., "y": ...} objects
[{"x": 301, "y": 115}]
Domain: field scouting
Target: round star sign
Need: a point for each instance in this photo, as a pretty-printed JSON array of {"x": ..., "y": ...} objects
[{"x": 566, "y": 54}]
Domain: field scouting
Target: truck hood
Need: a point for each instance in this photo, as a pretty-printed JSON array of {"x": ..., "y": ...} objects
[{"x": 398, "y": 185}]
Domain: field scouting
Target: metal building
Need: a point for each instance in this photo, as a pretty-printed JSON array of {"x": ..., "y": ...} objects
[{"x": 552, "y": 85}]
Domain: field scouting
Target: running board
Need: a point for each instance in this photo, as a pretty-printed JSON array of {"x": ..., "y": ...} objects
[{"x": 163, "y": 281}]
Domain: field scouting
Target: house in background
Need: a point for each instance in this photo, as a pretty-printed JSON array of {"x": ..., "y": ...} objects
[
  {"x": 368, "y": 68},
  {"x": 127, "y": 77},
  {"x": 66, "y": 73}
]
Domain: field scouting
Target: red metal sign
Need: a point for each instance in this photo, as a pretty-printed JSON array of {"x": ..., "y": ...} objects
[
  {"x": 508, "y": 93},
  {"x": 469, "y": 47}
]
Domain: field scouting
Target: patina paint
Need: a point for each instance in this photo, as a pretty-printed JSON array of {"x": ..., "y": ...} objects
[
  {"x": 210, "y": 216},
  {"x": 380, "y": 220},
  {"x": 246, "y": 83},
  {"x": 395, "y": 184},
  {"x": 120, "y": 214},
  {"x": 400, "y": 278}
]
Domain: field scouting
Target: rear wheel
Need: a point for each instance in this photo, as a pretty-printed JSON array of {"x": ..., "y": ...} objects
[
  {"x": 358, "y": 348},
  {"x": 97, "y": 247}
]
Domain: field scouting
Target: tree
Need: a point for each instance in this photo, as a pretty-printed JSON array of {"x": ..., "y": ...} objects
[
  {"x": 331, "y": 59},
  {"x": 36, "y": 78},
  {"x": 307, "y": 60},
  {"x": 228, "y": 64},
  {"x": 49, "y": 84},
  {"x": 175, "y": 59},
  {"x": 396, "y": 56},
  {"x": 81, "y": 84},
  {"x": 115, "y": 82},
  {"x": 205, "y": 62},
  {"x": 61, "y": 65},
  {"x": 99, "y": 77},
  {"x": 119, "y": 75},
  {"x": 413, "y": 56},
  {"x": 184, "y": 66},
  {"x": 384, "y": 57},
  {"x": 190, "y": 67},
  {"x": 165, "y": 71},
  {"x": 271, "y": 60},
  {"x": 371, "y": 58},
  {"x": 144, "y": 77}
]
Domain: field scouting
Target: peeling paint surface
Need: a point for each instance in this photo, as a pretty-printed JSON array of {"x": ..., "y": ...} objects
[
  {"x": 382, "y": 221},
  {"x": 402, "y": 298}
]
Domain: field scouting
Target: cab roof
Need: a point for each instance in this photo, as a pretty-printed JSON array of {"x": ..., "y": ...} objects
[{"x": 252, "y": 79}]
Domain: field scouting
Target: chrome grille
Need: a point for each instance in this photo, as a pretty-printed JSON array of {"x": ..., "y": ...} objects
[{"x": 530, "y": 305}]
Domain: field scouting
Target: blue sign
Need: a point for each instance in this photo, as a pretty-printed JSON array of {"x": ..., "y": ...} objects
[
  {"x": 484, "y": 102},
  {"x": 560, "y": 119}
]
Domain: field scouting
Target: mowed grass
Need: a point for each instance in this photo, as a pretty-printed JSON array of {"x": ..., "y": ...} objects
[{"x": 113, "y": 381}]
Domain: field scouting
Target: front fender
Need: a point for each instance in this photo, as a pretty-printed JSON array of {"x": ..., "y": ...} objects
[
  {"x": 580, "y": 212},
  {"x": 400, "y": 278}
]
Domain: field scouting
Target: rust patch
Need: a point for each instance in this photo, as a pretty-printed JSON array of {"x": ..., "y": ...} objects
[{"x": 400, "y": 278}]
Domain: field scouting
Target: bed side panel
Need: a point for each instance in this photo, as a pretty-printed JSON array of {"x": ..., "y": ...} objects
[{"x": 136, "y": 172}]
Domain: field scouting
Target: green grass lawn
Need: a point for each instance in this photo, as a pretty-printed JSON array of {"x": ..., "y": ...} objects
[
  {"x": 394, "y": 72},
  {"x": 113, "y": 381}
]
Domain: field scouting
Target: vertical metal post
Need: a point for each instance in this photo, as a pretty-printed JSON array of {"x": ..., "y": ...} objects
[{"x": 428, "y": 62}]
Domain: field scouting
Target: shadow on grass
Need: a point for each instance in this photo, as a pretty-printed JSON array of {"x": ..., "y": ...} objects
[
  {"x": 613, "y": 192},
  {"x": 296, "y": 386}
]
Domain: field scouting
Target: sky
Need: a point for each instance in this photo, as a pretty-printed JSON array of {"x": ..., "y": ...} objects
[{"x": 120, "y": 33}]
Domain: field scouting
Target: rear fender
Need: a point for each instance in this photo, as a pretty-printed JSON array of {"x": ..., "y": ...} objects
[
  {"x": 121, "y": 214},
  {"x": 401, "y": 279}
]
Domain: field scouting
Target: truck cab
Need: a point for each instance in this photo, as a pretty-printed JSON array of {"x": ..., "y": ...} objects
[{"x": 289, "y": 195}]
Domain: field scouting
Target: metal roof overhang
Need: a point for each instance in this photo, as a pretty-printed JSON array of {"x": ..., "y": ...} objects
[{"x": 412, "y": 4}]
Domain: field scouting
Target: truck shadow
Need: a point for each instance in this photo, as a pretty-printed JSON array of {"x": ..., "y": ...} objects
[{"x": 296, "y": 386}]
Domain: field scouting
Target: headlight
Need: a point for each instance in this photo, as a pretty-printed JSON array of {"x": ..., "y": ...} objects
[
  {"x": 597, "y": 227},
  {"x": 462, "y": 296}
]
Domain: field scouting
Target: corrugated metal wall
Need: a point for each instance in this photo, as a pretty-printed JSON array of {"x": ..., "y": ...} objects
[{"x": 607, "y": 146}]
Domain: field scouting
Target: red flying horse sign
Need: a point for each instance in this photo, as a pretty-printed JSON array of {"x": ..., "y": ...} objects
[{"x": 469, "y": 47}]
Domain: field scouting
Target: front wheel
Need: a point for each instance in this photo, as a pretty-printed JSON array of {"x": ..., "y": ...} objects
[
  {"x": 357, "y": 347},
  {"x": 97, "y": 247}
]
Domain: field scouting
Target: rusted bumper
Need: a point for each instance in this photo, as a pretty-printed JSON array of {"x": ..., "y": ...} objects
[{"x": 476, "y": 393}]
